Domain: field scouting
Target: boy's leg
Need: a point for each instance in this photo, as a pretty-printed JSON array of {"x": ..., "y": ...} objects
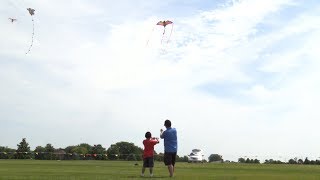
[
  {"x": 143, "y": 167},
  {"x": 151, "y": 171},
  {"x": 142, "y": 171},
  {"x": 151, "y": 166}
]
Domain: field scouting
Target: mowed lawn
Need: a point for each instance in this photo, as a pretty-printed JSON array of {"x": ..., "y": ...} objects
[{"x": 38, "y": 169}]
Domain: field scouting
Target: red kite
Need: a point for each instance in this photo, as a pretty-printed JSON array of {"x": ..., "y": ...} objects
[{"x": 164, "y": 24}]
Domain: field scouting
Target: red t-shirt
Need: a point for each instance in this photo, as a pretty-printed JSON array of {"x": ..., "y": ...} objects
[{"x": 149, "y": 147}]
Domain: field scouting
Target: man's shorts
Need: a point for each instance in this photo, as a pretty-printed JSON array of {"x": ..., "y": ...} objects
[
  {"x": 170, "y": 158},
  {"x": 148, "y": 162}
]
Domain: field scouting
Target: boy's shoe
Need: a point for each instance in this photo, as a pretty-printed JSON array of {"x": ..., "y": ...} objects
[
  {"x": 142, "y": 175},
  {"x": 151, "y": 175}
]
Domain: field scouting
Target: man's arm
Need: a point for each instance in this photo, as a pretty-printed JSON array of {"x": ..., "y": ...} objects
[{"x": 161, "y": 134}]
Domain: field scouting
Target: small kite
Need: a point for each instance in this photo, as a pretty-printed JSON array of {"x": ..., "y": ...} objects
[
  {"x": 31, "y": 12},
  {"x": 12, "y": 19},
  {"x": 164, "y": 24}
]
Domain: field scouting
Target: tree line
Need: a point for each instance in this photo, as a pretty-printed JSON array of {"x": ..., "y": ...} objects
[
  {"x": 218, "y": 158},
  {"x": 118, "y": 151}
]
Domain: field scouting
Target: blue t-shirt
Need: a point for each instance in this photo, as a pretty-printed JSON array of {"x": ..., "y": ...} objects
[{"x": 170, "y": 140}]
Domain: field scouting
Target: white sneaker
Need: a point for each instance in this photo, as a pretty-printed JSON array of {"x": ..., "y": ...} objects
[
  {"x": 151, "y": 175},
  {"x": 142, "y": 175}
]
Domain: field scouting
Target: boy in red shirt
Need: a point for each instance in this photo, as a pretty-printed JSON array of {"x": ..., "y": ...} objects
[{"x": 148, "y": 153}]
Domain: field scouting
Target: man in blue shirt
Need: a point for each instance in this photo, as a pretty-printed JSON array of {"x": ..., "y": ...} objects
[{"x": 170, "y": 145}]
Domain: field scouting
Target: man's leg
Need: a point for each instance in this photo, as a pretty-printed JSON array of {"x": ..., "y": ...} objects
[{"x": 171, "y": 170}]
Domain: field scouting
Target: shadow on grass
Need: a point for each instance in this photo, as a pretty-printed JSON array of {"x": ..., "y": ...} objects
[{"x": 147, "y": 177}]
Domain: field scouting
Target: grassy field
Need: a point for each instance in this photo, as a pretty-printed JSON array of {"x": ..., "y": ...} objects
[{"x": 60, "y": 170}]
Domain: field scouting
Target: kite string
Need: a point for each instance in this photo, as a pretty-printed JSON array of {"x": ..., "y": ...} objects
[
  {"x": 32, "y": 36},
  {"x": 150, "y": 36},
  {"x": 162, "y": 38},
  {"x": 170, "y": 34}
]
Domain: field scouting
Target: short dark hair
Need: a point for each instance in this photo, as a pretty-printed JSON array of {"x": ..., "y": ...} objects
[
  {"x": 148, "y": 135},
  {"x": 167, "y": 123}
]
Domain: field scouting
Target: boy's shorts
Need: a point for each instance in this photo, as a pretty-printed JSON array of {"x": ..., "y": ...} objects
[
  {"x": 170, "y": 158},
  {"x": 148, "y": 162}
]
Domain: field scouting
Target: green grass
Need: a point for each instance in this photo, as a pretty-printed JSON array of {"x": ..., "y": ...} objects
[{"x": 61, "y": 170}]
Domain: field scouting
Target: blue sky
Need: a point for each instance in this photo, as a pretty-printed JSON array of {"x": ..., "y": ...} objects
[{"x": 237, "y": 78}]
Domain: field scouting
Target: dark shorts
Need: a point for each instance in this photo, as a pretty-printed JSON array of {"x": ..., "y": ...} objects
[
  {"x": 148, "y": 162},
  {"x": 170, "y": 158}
]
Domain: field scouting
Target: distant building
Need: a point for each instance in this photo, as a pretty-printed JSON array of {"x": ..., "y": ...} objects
[
  {"x": 60, "y": 154},
  {"x": 196, "y": 156}
]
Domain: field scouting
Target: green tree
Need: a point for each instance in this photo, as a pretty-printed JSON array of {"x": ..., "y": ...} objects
[
  {"x": 69, "y": 148},
  {"x": 113, "y": 152},
  {"x": 87, "y": 146},
  {"x": 306, "y": 161},
  {"x": 132, "y": 157},
  {"x": 6, "y": 153},
  {"x": 215, "y": 157},
  {"x": 39, "y": 153},
  {"x": 79, "y": 152},
  {"x": 23, "y": 150},
  {"x": 49, "y": 149},
  {"x": 292, "y": 161},
  {"x": 125, "y": 151},
  {"x": 99, "y": 152},
  {"x": 69, "y": 153},
  {"x": 158, "y": 157},
  {"x": 241, "y": 160},
  {"x": 183, "y": 159},
  {"x": 256, "y": 161}
]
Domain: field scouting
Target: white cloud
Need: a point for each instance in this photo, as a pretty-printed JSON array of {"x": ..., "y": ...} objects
[{"x": 114, "y": 87}]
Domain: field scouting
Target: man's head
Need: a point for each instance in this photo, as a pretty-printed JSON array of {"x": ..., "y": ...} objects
[
  {"x": 167, "y": 123},
  {"x": 148, "y": 135}
]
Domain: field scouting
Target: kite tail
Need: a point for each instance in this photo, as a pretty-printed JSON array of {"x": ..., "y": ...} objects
[
  {"x": 32, "y": 36},
  {"x": 170, "y": 34},
  {"x": 149, "y": 36},
  {"x": 164, "y": 31},
  {"x": 162, "y": 38}
]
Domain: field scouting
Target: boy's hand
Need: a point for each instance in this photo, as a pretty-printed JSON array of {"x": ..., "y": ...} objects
[{"x": 161, "y": 130}]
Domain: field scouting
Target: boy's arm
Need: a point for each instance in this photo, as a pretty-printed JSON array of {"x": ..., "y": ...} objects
[{"x": 156, "y": 140}]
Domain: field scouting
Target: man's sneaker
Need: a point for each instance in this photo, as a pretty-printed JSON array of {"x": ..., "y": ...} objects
[
  {"x": 142, "y": 175},
  {"x": 151, "y": 175}
]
